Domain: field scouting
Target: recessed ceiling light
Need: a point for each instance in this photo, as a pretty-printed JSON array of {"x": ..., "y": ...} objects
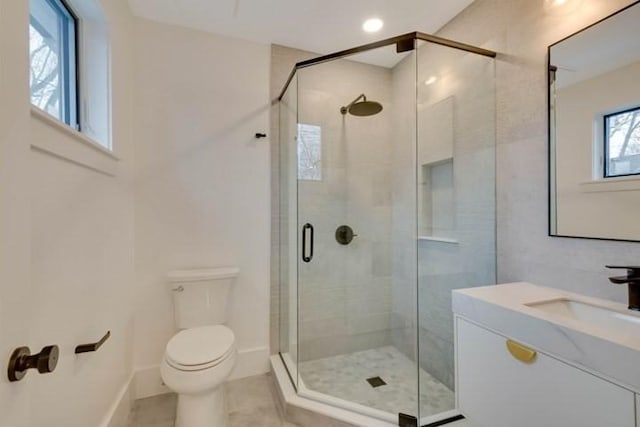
[
  {"x": 431, "y": 80},
  {"x": 372, "y": 25}
]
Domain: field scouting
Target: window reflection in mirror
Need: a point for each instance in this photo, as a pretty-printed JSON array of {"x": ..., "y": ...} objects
[{"x": 622, "y": 143}]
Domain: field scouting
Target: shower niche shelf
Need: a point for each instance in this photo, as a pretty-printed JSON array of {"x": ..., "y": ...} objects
[
  {"x": 436, "y": 193},
  {"x": 437, "y": 202}
]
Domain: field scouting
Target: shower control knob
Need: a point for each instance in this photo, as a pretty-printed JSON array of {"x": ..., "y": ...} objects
[{"x": 344, "y": 234}]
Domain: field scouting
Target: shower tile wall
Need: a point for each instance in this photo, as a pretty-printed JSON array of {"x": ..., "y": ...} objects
[
  {"x": 404, "y": 225},
  {"x": 345, "y": 292}
]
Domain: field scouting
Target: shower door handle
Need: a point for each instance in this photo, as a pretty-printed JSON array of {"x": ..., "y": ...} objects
[{"x": 307, "y": 228}]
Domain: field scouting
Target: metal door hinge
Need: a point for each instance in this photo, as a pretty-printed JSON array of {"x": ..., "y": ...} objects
[{"x": 405, "y": 420}]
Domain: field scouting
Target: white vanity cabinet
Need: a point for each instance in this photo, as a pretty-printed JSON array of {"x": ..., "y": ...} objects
[{"x": 496, "y": 389}]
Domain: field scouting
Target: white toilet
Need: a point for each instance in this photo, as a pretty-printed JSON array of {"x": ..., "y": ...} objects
[{"x": 199, "y": 358}]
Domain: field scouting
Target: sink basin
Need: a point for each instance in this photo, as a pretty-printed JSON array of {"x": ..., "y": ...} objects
[{"x": 599, "y": 317}]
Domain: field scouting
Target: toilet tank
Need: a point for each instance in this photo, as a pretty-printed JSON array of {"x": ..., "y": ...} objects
[{"x": 200, "y": 296}]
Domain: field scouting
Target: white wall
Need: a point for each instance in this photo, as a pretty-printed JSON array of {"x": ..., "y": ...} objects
[
  {"x": 521, "y": 30},
  {"x": 74, "y": 232},
  {"x": 15, "y": 282},
  {"x": 202, "y": 180}
]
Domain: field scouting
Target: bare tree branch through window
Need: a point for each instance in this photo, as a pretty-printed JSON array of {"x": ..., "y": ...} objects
[
  {"x": 309, "y": 152},
  {"x": 623, "y": 143}
]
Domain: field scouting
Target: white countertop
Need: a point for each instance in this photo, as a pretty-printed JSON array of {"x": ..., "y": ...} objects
[{"x": 501, "y": 308}]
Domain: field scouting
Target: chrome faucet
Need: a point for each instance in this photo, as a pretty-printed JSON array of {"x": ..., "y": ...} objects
[{"x": 632, "y": 279}]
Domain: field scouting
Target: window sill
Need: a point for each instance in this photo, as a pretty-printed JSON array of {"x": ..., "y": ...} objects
[
  {"x": 611, "y": 184},
  {"x": 81, "y": 149}
]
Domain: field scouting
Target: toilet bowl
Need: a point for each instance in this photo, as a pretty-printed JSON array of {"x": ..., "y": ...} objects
[
  {"x": 200, "y": 358},
  {"x": 196, "y": 364}
]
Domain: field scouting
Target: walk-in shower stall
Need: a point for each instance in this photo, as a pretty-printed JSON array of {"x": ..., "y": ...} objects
[{"x": 387, "y": 204}]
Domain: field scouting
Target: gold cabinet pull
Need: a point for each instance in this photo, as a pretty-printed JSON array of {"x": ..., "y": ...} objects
[{"x": 520, "y": 352}]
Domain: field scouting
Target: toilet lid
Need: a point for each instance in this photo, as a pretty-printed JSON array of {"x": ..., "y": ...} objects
[{"x": 199, "y": 346}]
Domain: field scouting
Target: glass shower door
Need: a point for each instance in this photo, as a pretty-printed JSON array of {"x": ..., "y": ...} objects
[
  {"x": 456, "y": 208},
  {"x": 387, "y": 204},
  {"x": 357, "y": 233}
]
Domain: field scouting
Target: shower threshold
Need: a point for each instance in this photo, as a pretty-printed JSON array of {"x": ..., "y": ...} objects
[{"x": 327, "y": 407}]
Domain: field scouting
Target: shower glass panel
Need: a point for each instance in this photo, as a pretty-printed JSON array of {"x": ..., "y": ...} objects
[
  {"x": 456, "y": 203},
  {"x": 288, "y": 232},
  {"x": 357, "y": 202},
  {"x": 387, "y": 204}
]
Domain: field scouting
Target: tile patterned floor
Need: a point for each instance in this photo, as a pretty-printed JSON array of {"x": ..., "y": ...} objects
[
  {"x": 345, "y": 377},
  {"x": 249, "y": 403}
]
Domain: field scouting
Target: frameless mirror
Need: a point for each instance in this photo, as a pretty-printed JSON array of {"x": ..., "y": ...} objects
[{"x": 594, "y": 130}]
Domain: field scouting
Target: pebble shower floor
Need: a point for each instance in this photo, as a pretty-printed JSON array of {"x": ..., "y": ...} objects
[{"x": 345, "y": 376}]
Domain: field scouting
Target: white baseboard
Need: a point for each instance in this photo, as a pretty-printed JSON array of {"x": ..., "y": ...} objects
[
  {"x": 148, "y": 382},
  {"x": 254, "y": 361},
  {"x": 251, "y": 362},
  {"x": 118, "y": 413}
]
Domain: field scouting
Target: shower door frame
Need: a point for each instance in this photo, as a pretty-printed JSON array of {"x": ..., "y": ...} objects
[
  {"x": 404, "y": 43},
  {"x": 399, "y": 41}
]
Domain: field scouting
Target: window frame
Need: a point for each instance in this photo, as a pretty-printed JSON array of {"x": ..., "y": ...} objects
[
  {"x": 605, "y": 139},
  {"x": 70, "y": 69}
]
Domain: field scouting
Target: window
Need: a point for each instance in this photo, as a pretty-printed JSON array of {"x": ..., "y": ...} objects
[
  {"x": 52, "y": 57},
  {"x": 622, "y": 143},
  {"x": 309, "y": 152}
]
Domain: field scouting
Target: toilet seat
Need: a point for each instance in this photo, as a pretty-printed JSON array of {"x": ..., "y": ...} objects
[{"x": 196, "y": 349}]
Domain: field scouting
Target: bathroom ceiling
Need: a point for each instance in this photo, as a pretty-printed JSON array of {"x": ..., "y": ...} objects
[{"x": 321, "y": 26}]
